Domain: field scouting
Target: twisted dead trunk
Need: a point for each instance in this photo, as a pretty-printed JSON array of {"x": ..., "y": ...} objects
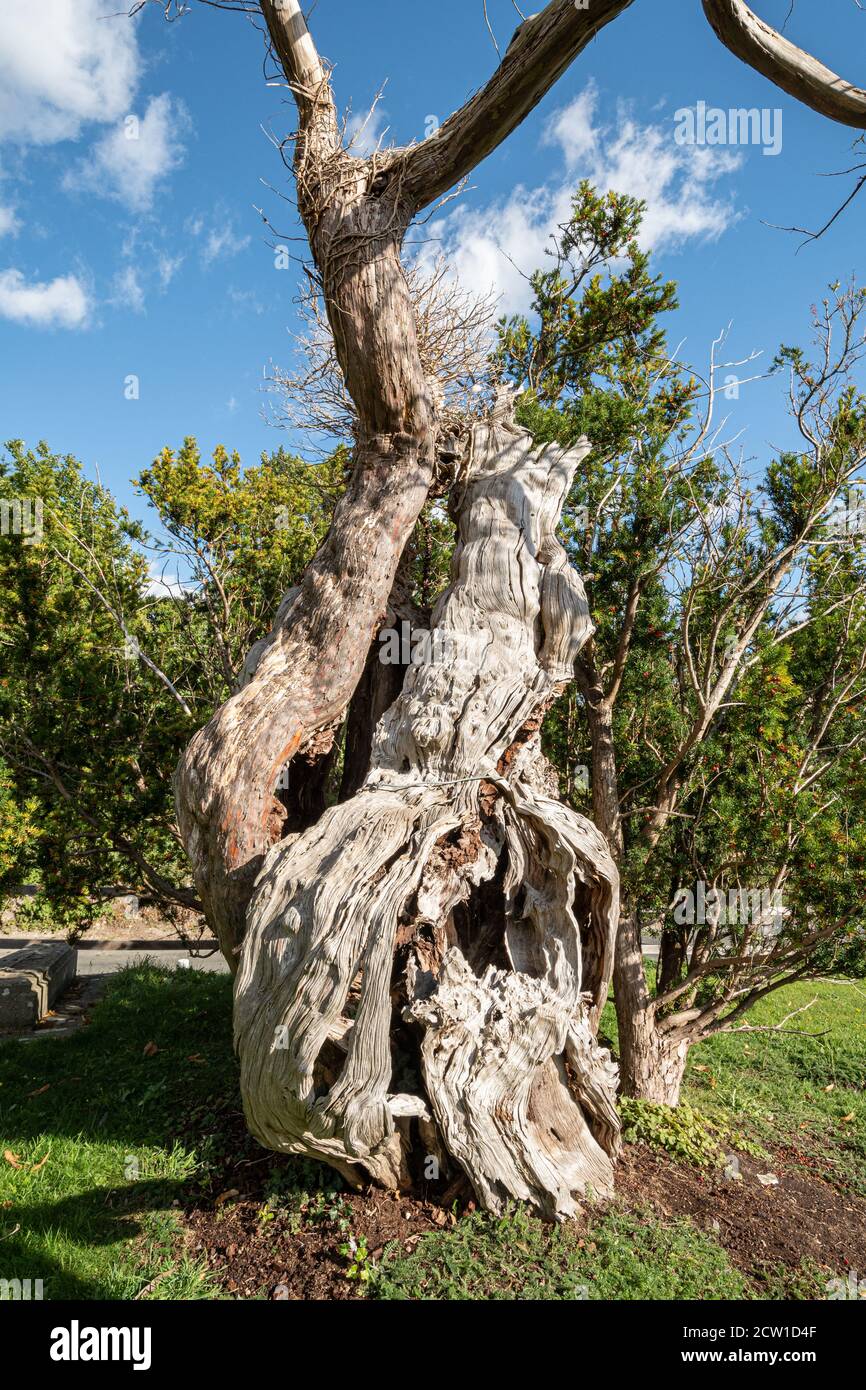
[
  {"x": 426, "y": 965},
  {"x": 356, "y": 213}
]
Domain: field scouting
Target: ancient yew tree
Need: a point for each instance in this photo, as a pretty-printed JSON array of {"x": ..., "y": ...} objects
[{"x": 420, "y": 967}]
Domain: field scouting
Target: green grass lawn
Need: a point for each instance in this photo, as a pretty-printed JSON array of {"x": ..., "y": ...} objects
[
  {"x": 789, "y": 1088},
  {"x": 90, "y": 1165},
  {"x": 805, "y": 1086},
  {"x": 89, "y": 1119}
]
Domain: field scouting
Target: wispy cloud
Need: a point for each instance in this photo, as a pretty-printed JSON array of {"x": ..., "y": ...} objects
[
  {"x": 9, "y": 223},
  {"x": 223, "y": 242},
  {"x": 130, "y": 161},
  {"x": 167, "y": 267},
  {"x": 127, "y": 291},
  {"x": 217, "y": 235}
]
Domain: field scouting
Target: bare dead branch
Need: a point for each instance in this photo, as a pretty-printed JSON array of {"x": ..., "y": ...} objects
[
  {"x": 542, "y": 50},
  {"x": 792, "y": 69}
]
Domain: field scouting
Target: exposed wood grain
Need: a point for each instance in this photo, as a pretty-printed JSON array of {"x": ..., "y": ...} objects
[{"x": 508, "y": 1065}]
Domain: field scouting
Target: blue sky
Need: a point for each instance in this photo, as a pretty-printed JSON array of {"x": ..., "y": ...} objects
[{"x": 147, "y": 257}]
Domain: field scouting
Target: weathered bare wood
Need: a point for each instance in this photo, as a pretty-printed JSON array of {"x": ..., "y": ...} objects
[
  {"x": 789, "y": 67},
  {"x": 505, "y": 1008},
  {"x": 356, "y": 213},
  {"x": 452, "y": 899}
]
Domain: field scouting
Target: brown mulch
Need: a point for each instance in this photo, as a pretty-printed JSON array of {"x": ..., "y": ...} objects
[
  {"x": 295, "y": 1254},
  {"x": 282, "y": 1259},
  {"x": 803, "y": 1218}
]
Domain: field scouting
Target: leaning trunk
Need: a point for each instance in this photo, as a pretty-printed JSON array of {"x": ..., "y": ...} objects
[{"x": 299, "y": 681}]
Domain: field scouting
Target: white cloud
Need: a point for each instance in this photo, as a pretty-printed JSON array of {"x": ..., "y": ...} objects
[
  {"x": 167, "y": 267},
  {"x": 63, "y": 63},
  {"x": 159, "y": 584},
  {"x": 495, "y": 248},
  {"x": 221, "y": 240},
  {"x": 645, "y": 161},
  {"x": 129, "y": 161},
  {"x": 9, "y": 223},
  {"x": 498, "y": 247},
  {"x": 573, "y": 128},
  {"x": 59, "y": 303},
  {"x": 127, "y": 291}
]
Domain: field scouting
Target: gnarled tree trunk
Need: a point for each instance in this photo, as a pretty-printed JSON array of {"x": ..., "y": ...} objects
[{"x": 453, "y": 904}]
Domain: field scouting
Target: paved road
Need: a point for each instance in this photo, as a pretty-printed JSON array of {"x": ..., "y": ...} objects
[
  {"x": 96, "y": 963},
  {"x": 107, "y": 962},
  {"x": 107, "y": 957},
  {"x": 100, "y": 961}
]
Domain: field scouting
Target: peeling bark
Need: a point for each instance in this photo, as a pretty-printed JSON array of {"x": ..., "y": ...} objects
[
  {"x": 227, "y": 811},
  {"x": 453, "y": 893},
  {"x": 308, "y": 668}
]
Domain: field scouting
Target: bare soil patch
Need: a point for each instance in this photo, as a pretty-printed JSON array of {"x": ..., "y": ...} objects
[
  {"x": 277, "y": 1251},
  {"x": 804, "y": 1218}
]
